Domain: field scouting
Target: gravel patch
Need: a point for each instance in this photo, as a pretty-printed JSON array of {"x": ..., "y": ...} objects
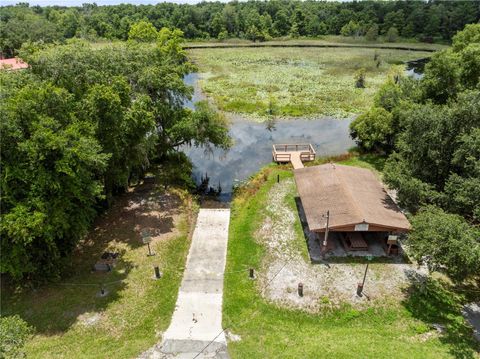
[{"x": 326, "y": 285}]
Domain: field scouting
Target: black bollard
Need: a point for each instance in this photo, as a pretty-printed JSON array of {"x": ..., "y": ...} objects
[
  {"x": 157, "y": 272},
  {"x": 278, "y": 178},
  {"x": 251, "y": 274},
  {"x": 300, "y": 289},
  {"x": 359, "y": 289}
]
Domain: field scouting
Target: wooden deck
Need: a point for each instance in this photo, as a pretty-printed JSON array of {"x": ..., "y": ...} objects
[{"x": 296, "y": 154}]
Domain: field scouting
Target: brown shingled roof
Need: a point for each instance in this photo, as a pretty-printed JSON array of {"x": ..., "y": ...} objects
[{"x": 352, "y": 195}]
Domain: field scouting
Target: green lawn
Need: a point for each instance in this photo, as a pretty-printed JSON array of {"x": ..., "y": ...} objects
[
  {"x": 295, "y": 82},
  {"x": 129, "y": 319},
  {"x": 393, "y": 329}
]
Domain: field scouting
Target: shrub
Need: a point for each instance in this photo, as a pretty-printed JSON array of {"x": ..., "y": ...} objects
[
  {"x": 360, "y": 78},
  {"x": 14, "y": 331},
  {"x": 372, "y": 33},
  {"x": 222, "y": 35},
  {"x": 142, "y": 31},
  {"x": 392, "y": 34}
]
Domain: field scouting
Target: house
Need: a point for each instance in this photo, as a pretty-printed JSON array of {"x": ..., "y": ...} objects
[{"x": 348, "y": 200}]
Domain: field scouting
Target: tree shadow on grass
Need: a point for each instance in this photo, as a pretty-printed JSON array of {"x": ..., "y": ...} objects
[
  {"x": 375, "y": 160},
  {"x": 434, "y": 302},
  {"x": 53, "y": 307}
]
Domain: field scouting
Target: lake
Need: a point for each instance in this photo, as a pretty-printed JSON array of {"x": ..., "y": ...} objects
[
  {"x": 252, "y": 141},
  {"x": 252, "y": 144}
]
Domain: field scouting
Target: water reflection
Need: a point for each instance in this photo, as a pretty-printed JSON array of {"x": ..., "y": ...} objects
[
  {"x": 252, "y": 148},
  {"x": 192, "y": 80},
  {"x": 416, "y": 68}
]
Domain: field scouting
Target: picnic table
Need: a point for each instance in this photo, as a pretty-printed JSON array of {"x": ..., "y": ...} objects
[{"x": 354, "y": 241}]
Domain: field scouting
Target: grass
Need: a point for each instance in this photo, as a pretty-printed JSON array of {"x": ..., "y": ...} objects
[
  {"x": 136, "y": 308},
  {"x": 322, "y": 40},
  {"x": 294, "y": 82},
  {"x": 268, "y": 331},
  {"x": 372, "y": 161}
]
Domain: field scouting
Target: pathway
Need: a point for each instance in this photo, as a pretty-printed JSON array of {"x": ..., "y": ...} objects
[
  {"x": 296, "y": 160},
  {"x": 197, "y": 320}
]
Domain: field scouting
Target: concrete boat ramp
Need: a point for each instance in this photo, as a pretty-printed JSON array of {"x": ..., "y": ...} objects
[{"x": 196, "y": 327}]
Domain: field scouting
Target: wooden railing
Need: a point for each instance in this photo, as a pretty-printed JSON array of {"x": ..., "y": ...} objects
[{"x": 283, "y": 152}]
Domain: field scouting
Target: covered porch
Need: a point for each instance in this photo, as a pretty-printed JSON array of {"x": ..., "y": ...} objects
[{"x": 346, "y": 211}]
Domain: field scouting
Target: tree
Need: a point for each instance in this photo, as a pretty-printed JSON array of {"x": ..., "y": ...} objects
[
  {"x": 446, "y": 243},
  {"x": 294, "y": 31},
  {"x": 372, "y": 33},
  {"x": 254, "y": 34},
  {"x": 351, "y": 29},
  {"x": 388, "y": 96},
  {"x": 75, "y": 128},
  {"x": 282, "y": 24},
  {"x": 14, "y": 332},
  {"x": 50, "y": 192},
  {"x": 392, "y": 34},
  {"x": 142, "y": 31},
  {"x": 469, "y": 57},
  {"x": 442, "y": 77},
  {"x": 469, "y": 35},
  {"x": 372, "y": 130},
  {"x": 462, "y": 189},
  {"x": 223, "y": 35}
]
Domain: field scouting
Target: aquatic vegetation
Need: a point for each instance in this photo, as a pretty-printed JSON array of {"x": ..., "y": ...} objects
[{"x": 299, "y": 81}]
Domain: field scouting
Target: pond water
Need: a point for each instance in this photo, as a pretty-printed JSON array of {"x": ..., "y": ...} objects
[
  {"x": 416, "y": 68},
  {"x": 252, "y": 141},
  {"x": 252, "y": 148}
]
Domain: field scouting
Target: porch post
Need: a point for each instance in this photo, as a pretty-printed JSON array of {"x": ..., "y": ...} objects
[{"x": 325, "y": 238}]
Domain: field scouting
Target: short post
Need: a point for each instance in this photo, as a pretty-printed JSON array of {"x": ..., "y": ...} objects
[
  {"x": 149, "y": 250},
  {"x": 359, "y": 289},
  {"x": 300, "y": 289},
  {"x": 157, "y": 272},
  {"x": 103, "y": 292},
  {"x": 251, "y": 273},
  {"x": 278, "y": 178}
]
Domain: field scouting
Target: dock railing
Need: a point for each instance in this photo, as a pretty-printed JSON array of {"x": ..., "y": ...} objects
[{"x": 283, "y": 152}]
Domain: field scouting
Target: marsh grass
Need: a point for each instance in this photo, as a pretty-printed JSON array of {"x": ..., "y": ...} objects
[
  {"x": 301, "y": 81},
  {"x": 393, "y": 329}
]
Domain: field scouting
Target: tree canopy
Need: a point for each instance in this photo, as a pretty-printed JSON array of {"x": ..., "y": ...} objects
[
  {"x": 255, "y": 20},
  {"x": 76, "y": 127},
  {"x": 433, "y": 142}
]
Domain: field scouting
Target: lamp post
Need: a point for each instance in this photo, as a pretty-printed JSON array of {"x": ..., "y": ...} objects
[{"x": 361, "y": 285}]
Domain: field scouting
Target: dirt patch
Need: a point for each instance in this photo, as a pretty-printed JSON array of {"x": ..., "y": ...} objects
[
  {"x": 324, "y": 285},
  {"x": 144, "y": 208}
]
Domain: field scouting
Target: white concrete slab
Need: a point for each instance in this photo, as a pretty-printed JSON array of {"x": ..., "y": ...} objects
[{"x": 197, "y": 319}]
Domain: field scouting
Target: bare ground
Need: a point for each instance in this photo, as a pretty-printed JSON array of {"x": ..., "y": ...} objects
[{"x": 326, "y": 285}]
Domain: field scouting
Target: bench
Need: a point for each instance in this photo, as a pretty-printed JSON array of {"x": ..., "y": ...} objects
[{"x": 353, "y": 241}]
